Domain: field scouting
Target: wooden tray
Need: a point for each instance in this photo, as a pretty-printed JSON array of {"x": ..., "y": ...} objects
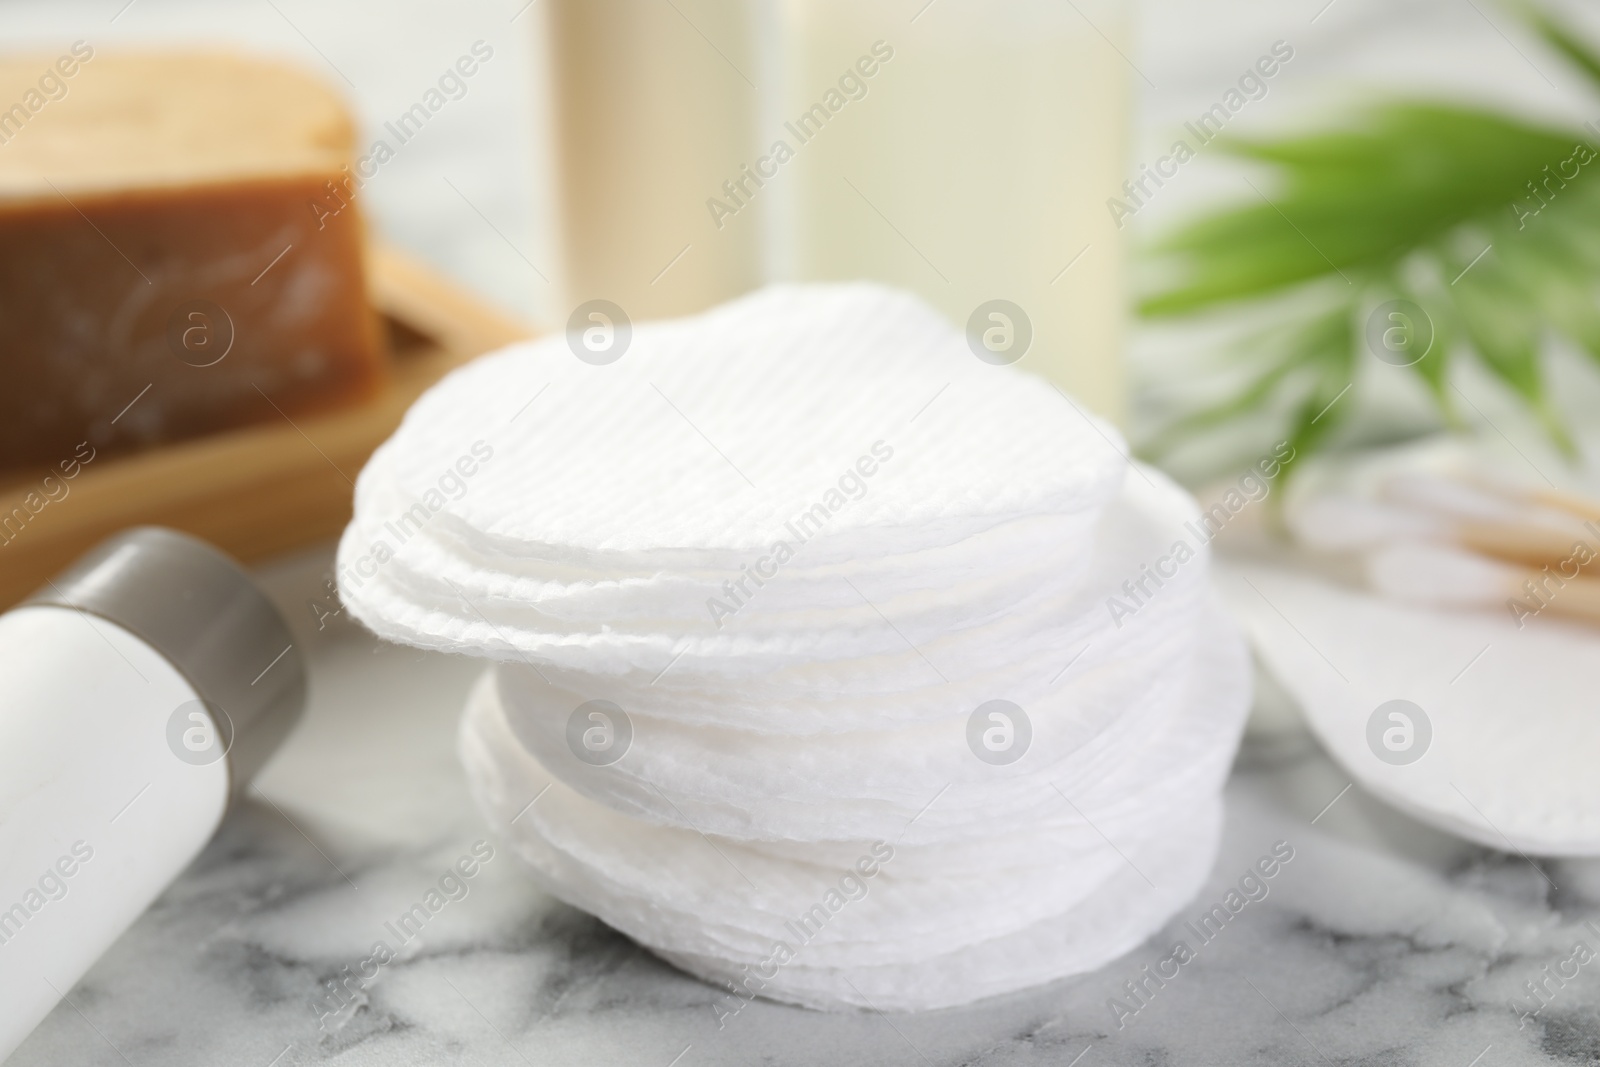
[{"x": 268, "y": 488}]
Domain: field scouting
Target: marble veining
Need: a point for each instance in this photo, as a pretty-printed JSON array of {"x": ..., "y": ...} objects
[{"x": 1380, "y": 942}]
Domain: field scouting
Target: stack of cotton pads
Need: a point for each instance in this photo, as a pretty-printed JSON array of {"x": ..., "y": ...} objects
[{"x": 807, "y": 671}]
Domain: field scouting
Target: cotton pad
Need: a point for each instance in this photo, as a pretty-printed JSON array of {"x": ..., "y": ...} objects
[
  {"x": 1184, "y": 748},
  {"x": 1022, "y": 656},
  {"x": 801, "y": 547},
  {"x": 715, "y": 432},
  {"x": 933, "y": 934},
  {"x": 1158, "y": 878},
  {"x": 824, "y": 677},
  {"x": 589, "y": 854},
  {"x": 1497, "y": 736}
]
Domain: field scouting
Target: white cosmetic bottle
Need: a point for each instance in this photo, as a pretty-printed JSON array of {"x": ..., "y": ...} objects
[{"x": 142, "y": 689}]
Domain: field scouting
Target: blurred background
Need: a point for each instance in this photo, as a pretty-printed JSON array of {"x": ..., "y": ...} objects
[
  {"x": 605, "y": 152},
  {"x": 389, "y": 54},
  {"x": 496, "y": 146},
  {"x": 588, "y": 158}
]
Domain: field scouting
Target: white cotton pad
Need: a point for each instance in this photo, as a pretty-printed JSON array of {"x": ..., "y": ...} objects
[
  {"x": 881, "y": 668},
  {"x": 1117, "y": 917},
  {"x": 929, "y": 675},
  {"x": 802, "y": 541},
  {"x": 910, "y": 942},
  {"x": 672, "y": 888},
  {"x": 863, "y": 785},
  {"x": 680, "y": 892},
  {"x": 714, "y": 432},
  {"x": 699, "y": 898},
  {"x": 1503, "y": 751},
  {"x": 566, "y": 597},
  {"x": 712, "y": 440},
  {"x": 838, "y": 786}
]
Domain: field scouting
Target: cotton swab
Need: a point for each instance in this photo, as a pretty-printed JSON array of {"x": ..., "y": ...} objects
[
  {"x": 1441, "y": 576},
  {"x": 1353, "y": 524},
  {"x": 1575, "y": 504}
]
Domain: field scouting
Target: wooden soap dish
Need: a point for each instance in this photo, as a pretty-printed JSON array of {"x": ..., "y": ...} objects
[{"x": 268, "y": 488}]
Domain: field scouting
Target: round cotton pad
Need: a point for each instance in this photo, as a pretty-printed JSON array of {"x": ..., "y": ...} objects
[
  {"x": 840, "y": 421},
  {"x": 715, "y": 432},
  {"x": 1059, "y": 904},
  {"x": 1154, "y": 881},
  {"x": 1493, "y": 735}
]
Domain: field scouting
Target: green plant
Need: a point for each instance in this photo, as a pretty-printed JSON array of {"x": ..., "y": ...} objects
[{"x": 1490, "y": 224}]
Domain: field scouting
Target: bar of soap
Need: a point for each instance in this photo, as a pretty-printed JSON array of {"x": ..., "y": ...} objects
[{"x": 169, "y": 240}]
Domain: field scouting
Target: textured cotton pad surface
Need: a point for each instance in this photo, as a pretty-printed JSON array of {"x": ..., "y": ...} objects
[
  {"x": 916, "y": 937},
  {"x": 864, "y": 785},
  {"x": 1023, "y": 657},
  {"x": 891, "y": 645},
  {"x": 1503, "y": 750},
  {"x": 1158, "y": 878},
  {"x": 713, "y": 432}
]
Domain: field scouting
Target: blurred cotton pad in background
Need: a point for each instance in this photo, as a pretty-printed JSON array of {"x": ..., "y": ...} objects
[
  {"x": 800, "y": 587},
  {"x": 1445, "y": 672}
]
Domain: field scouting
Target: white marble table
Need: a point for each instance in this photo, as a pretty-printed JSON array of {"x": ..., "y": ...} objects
[{"x": 1381, "y": 942}]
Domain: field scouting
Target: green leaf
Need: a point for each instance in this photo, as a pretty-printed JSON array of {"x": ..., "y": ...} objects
[
  {"x": 1555, "y": 280},
  {"x": 1563, "y": 40},
  {"x": 1396, "y": 203},
  {"x": 1328, "y": 404},
  {"x": 1295, "y": 346},
  {"x": 1357, "y": 199}
]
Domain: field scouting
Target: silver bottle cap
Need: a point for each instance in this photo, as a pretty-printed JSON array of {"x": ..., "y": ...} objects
[{"x": 199, "y": 609}]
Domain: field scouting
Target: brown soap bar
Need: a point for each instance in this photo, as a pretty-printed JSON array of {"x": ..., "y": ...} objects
[{"x": 169, "y": 265}]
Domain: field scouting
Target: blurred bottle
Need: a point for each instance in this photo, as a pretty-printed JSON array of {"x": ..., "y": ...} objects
[
  {"x": 655, "y": 104},
  {"x": 964, "y": 149}
]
